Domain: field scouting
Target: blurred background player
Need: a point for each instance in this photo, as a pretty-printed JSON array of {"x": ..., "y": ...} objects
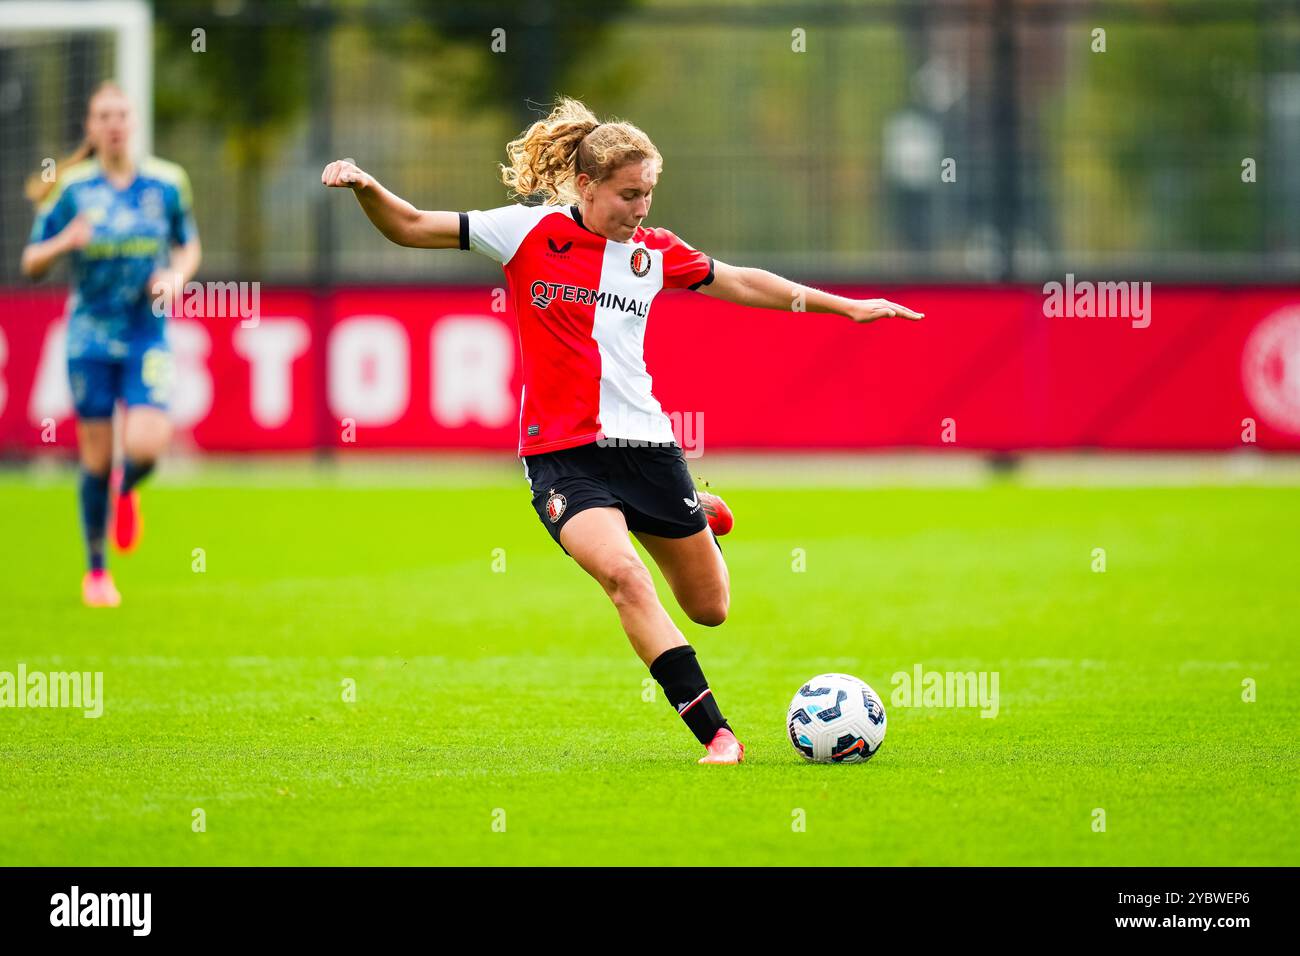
[
  {"x": 128, "y": 233},
  {"x": 598, "y": 450}
]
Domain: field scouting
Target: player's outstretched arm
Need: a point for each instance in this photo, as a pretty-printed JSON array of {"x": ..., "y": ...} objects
[
  {"x": 397, "y": 219},
  {"x": 761, "y": 289}
]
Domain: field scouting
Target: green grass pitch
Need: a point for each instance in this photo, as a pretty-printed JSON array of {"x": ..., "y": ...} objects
[{"x": 488, "y": 697}]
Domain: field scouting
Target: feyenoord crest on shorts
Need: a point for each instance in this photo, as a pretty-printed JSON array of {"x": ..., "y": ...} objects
[{"x": 555, "y": 506}]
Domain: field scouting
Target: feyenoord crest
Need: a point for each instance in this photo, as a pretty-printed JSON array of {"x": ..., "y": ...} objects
[
  {"x": 1270, "y": 369},
  {"x": 640, "y": 261},
  {"x": 555, "y": 506}
]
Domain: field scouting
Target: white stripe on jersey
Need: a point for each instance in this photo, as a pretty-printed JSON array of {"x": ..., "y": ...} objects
[{"x": 628, "y": 409}]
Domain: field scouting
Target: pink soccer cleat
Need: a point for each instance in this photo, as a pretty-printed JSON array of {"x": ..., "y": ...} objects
[
  {"x": 127, "y": 522},
  {"x": 98, "y": 590},
  {"x": 719, "y": 515},
  {"x": 724, "y": 748}
]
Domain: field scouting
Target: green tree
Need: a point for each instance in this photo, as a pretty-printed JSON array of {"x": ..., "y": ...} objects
[{"x": 251, "y": 83}]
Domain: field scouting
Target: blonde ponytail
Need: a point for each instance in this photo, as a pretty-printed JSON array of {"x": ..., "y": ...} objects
[
  {"x": 37, "y": 187},
  {"x": 549, "y": 155}
]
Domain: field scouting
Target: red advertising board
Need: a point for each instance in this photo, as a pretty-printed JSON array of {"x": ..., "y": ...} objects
[{"x": 995, "y": 368}]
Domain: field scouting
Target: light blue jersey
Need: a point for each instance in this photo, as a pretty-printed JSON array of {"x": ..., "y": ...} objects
[{"x": 110, "y": 311}]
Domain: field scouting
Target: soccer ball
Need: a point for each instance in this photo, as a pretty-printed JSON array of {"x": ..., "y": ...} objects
[{"x": 836, "y": 718}]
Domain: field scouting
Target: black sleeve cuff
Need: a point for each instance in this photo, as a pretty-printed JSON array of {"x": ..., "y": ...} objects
[
  {"x": 464, "y": 235},
  {"x": 707, "y": 279}
]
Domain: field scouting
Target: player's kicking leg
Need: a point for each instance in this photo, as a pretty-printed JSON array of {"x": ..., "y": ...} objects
[
  {"x": 695, "y": 570},
  {"x": 597, "y": 538}
]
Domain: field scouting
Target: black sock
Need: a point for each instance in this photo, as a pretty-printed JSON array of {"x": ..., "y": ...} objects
[
  {"x": 93, "y": 494},
  {"x": 134, "y": 472},
  {"x": 679, "y": 674}
]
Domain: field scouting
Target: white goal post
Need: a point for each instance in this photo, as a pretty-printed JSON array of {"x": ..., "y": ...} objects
[{"x": 131, "y": 24}]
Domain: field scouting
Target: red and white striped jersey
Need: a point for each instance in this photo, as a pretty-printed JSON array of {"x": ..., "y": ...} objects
[{"x": 582, "y": 302}]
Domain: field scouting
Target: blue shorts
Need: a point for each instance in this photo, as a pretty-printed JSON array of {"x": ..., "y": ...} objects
[{"x": 97, "y": 383}]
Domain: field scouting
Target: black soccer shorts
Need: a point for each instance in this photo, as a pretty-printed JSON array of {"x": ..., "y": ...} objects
[{"x": 649, "y": 482}]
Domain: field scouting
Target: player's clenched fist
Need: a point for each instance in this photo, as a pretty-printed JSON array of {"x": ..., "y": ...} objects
[
  {"x": 77, "y": 234},
  {"x": 345, "y": 173}
]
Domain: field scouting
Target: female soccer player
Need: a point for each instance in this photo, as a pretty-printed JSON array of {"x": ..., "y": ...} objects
[
  {"x": 597, "y": 449},
  {"x": 130, "y": 239}
]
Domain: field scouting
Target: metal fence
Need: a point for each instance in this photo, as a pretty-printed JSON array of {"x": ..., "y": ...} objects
[{"x": 972, "y": 140}]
